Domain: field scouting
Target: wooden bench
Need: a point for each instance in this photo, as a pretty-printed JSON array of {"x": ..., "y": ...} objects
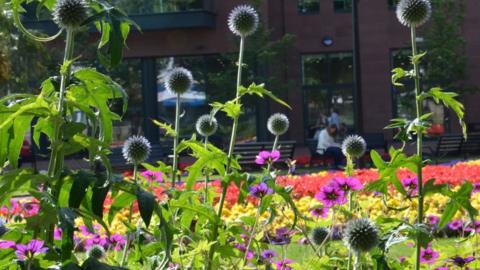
[
  {"x": 249, "y": 151},
  {"x": 446, "y": 145}
]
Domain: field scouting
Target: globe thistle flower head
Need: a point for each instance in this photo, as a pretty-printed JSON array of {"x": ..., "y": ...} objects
[
  {"x": 96, "y": 252},
  {"x": 414, "y": 13},
  {"x": 243, "y": 20},
  {"x": 206, "y": 125},
  {"x": 136, "y": 149},
  {"x": 70, "y": 14},
  {"x": 179, "y": 80},
  {"x": 361, "y": 235},
  {"x": 278, "y": 124},
  {"x": 320, "y": 235},
  {"x": 354, "y": 146}
]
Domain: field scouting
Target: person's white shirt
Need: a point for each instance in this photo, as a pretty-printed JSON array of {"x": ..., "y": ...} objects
[{"x": 325, "y": 141}]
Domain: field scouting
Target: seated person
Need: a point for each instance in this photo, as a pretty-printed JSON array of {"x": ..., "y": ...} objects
[{"x": 328, "y": 147}]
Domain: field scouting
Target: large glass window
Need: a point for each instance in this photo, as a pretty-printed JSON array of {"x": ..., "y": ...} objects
[
  {"x": 342, "y": 5},
  {"x": 160, "y": 6},
  {"x": 129, "y": 75},
  {"x": 309, "y": 6},
  {"x": 214, "y": 81},
  {"x": 328, "y": 87}
]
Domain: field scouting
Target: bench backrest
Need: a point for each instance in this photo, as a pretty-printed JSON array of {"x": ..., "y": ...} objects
[
  {"x": 249, "y": 151},
  {"x": 449, "y": 144}
]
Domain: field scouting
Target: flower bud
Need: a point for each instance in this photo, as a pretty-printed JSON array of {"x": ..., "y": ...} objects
[
  {"x": 243, "y": 20},
  {"x": 414, "y": 13},
  {"x": 70, "y": 14},
  {"x": 278, "y": 124}
]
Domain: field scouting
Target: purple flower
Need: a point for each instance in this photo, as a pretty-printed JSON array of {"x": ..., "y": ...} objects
[
  {"x": 320, "y": 212},
  {"x": 442, "y": 268},
  {"x": 428, "y": 255},
  {"x": 243, "y": 249},
  {"x": 4, "y": 244},
  {"x": 265, "y": 157},
  {"x": 347, "y": 184},
  {"x": 476, "y": 187},
  {"x": 284, "y": 264},
  {"x": 473, "y": 227},
  {"x": 411, "y": 185},
  {"x": 28, "y": 251},
  {"x": 455, "y": 225},
  {"x": 283, "y": 236},
  {"x": 117, "y": 241},
  {"x": 330, "y": 196},
  {"x": 152, "y": 176},
  {"x": 433, "y": 220},
  {"x": 461, "y": 262},
  {"x": 57, "y": 234},
  {"x": 260, "y": 190},
  {"x": 268, "y": 255}
]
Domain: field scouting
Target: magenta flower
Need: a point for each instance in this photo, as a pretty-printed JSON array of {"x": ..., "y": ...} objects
[
  {"x": 462, "y": 262},
  {"x": 442, "y": 268},
  {"x": 152, "y": 176},
  {"x": 476, "y": 187},
  {"x": 265, "y": 157},
  {"x": 330, "y": 196},
  {"x": 268, "y": 255},
  {"x": 433, "y": 220},
  {"x": 242, "y": 248},
  {"x": 284, "y": 264},
  {"x": 428, "y": 255},
  {"x": 347, "y": 184},
  {"x": 455, "y": 225},
  {"x": 320, "y": 212},
  {"x": 4, "y": 244},
  {"x": 28, "y": 251},
  {"x": 117, "y": 241},
  {"x": 473, "y": 227},
  {"x": 57, "y": 234},
  {"x": 260, "y": 190},
  {"x": 410, "y": 185}
]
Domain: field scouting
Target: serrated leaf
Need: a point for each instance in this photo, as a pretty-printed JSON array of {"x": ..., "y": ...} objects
[{"x": 169, "y": 130}]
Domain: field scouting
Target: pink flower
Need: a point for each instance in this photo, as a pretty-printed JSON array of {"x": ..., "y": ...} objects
[
  {"x": 30, "y": 209},
  {"x": 242, "y": 248},
  {"x": 57, "y": 234},
  {"x": 4, "y": 244},
  {"x": 320, "y": 212},
  {"x": 331, "y": 196},
  {"x": 152, "y": 176},
  {"x": 476, "y": 187},
  {"x": 347, "y": 184},
  {"x": 411, "y": 185},
  {"x": 473, "y": 227},
  {"x": 455, "y": 225},
  {"x": 28, "y": 251},
  {"x": 284, "y": 264},
  {"x": 433, "y": 220},
  {"x": 428, "y": 255},
  {"x": 265, "y": 157},
  {"x": 117, "y": 241}
]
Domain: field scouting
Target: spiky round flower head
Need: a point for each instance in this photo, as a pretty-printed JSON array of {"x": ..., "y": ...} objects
[
  {"x": 278, "y": 124},
  {"x": 96, "y": 252},
  {"x": 70, "y": 14},
  {"x": 414, "y": 13},
  {"x": 361, "y": 235},
  {"x": 320, "y": 235},
  {"x": 136, "y": 149},
  {"x": 206, "y": 125},
  {"x": 179, "y": 80},
  {"x": 243, "y": 20},
  {"x": 354, "y": 146}
]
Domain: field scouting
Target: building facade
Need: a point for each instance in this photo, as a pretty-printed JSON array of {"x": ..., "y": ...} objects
[{"x": 318, "y": 66}]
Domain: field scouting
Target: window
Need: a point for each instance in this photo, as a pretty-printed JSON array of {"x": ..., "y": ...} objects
[
  {"x": 342, "y": 5},
  {"x": 214, "y": 77},
  {"x": 159, "y": 6},
  {"x": 129, "y": 76},
  {"x": 309, "y": 6},
  {"x": 328, "y": 86},
  {"x": 404, "y": 98}
]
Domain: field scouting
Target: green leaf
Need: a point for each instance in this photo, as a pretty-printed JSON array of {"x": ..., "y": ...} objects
[
  {"x": 146, "y": 205},
  {"x": 81, "y": 182},
  {"x": 20, "y": 126},
  {"x": 430, "y": 188},
  {"x": 169, "y": 130},
  {"x": 458, "y": 200},
  {"x": 448, "y": 99},
  {"x": 377, "y": 159},
  {"x": 99, "y": 194},
  {"x": 416, "y": 58},
  {"x": 259, "y": 90},
  {"x": 120, "y": 202},
  {"x": 398, "y": 73}
]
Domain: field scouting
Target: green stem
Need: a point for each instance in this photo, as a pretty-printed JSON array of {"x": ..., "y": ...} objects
[
  {"x": 55, "y": 166},
  {"x": 419, "y": 143},
  {"x": 349, "y": 172},
  {"x": 207, "y": 175},
  {"x": 233, "y": 139},
  {"x": 252, "y": 235},
  {"x": 275, "y": 143},
  {"x": 130, "y": 214},
  {"x": 175, "y": 141}
]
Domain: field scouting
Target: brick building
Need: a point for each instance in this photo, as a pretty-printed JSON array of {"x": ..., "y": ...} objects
[{"x": 319, "y": 70}]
